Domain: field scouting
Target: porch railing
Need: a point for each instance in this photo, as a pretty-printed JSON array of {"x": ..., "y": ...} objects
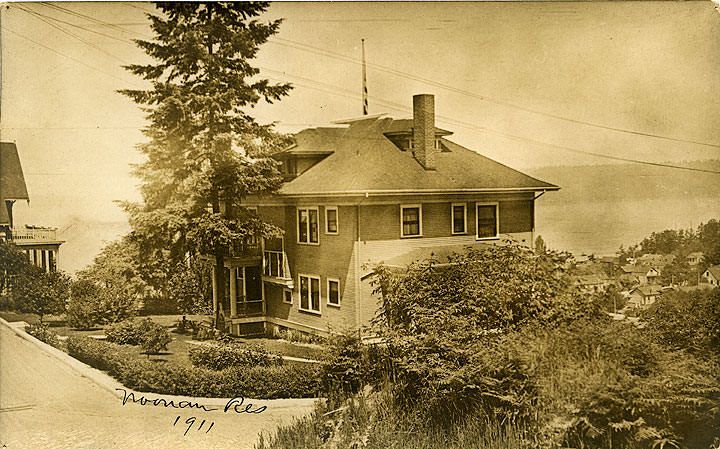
[
  {"x": 275, "y": 265},
  {"x": 249, "y": 308},
  {"x": 31, "y": 234}
]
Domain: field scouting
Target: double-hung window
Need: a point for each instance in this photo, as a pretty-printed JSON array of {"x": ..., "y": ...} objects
[
  {"x": 459, "y": 218},
  {"x": 308, "y": 223},
  {"x": 487, "y": 220},
  {"x": 411, "y": 221},
  {"x": 309, "y": 293},
  {"x": 331, "y": 220},
  {"x": 333, "y": 288}
]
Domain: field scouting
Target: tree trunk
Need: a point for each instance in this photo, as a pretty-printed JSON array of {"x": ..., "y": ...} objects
[{"x": 219, "y": 270}]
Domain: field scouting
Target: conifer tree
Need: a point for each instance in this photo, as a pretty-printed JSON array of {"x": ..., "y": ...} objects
[{"x": 205, "y": 151}]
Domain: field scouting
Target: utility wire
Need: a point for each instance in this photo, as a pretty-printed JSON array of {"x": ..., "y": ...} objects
[
  {"x": 73, "y": 35},
  {"x": 342, "y": 92},
  {"x": 65, "y": 56},
  {"x": 324, "y": 52}
]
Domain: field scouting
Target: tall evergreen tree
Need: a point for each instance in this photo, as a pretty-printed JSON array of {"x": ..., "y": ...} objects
[{"x": 205, "y": 151}]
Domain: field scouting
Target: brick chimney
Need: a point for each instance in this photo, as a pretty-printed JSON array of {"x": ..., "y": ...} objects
[{"x": 424, "y": 130}]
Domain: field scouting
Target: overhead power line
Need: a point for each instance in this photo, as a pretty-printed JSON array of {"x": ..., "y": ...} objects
[
  {"x": 332, "y": 89},
  {"x": 332, "y": 54}
]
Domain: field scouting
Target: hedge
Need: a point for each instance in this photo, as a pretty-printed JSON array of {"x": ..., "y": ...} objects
[
  {"x": 171, "y": 378},
  {"x": 43, "y": 333},
  {"x": 228, "y": 355}
]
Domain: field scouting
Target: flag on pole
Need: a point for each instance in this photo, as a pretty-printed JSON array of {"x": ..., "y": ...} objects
[{"x": 364, "y": 81}]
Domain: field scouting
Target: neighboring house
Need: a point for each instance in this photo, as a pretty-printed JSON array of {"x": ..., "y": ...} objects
[
  {"x": 644, "y": 295},
  {"x": 694, "y": 258},
  {"x": 712, "y": 275},
  {"x": 591, "y": 283},
  {"x": 374, "y": 190},
  {"x": 41, "y": 245},
  {"x": 641, "y": 274},
  {"x": 656, "y": 260}
]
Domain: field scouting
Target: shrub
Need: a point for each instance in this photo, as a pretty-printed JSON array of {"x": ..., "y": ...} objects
[
  {"x": 145, "y": 332},
  {"x": 267, "y": 382},
  {"x": 155, "y": 339},
  {"x": 226, "y": 355},
  {"x": 44, "y": 334},
  {"x": 129, "y": 332},
  {"x": 350, "y": 365},
  {"x": 82, "y": 309}
]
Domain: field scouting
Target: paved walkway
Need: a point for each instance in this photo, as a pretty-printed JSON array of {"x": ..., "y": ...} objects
[{"x": 45, "y": 403}]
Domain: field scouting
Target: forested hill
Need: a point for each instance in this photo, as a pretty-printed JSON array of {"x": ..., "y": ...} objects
[{"x": 630, "y": 181}]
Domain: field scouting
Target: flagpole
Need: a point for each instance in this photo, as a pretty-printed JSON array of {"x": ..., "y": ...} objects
[{"x": 364, "y": 80}]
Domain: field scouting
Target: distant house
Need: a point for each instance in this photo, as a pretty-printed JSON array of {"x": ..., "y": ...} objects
[
  {"x": 641, "y": 274},
  {"x": 656, "y": 260},
  {"x": 712, "y": 275},
  {"x": 643, "y": 296},
  {"x": 591, "y": 283},
  {"x": 40, "y": 244},
  {"x": 694, "y": 258},
  {"x": 373, "y": 189}
]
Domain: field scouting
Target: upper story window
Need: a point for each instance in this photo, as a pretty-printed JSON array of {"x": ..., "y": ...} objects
[
  {"x": 459, "y": 218},
  {"x": 411, "y": 220},
  {"x": 331, "y": 220},
  {"x": 308, "y": 224},
  {"x": 487, "y": 221}
]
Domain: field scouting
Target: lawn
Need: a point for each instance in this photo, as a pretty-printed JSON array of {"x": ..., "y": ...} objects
[{"x": 181, "y": 344}]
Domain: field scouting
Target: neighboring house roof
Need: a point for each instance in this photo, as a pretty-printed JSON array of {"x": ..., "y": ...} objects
[
  {"x": 637, "y": 269},
  {"x": 588, "y": 279},
  {"x": 364, "y": 160},
  {"x": 647, "y": 290},
  {"x": 657, "y": 259},
  {"x": 715, "y": 271},
  {"x": 12, "y": 180}
]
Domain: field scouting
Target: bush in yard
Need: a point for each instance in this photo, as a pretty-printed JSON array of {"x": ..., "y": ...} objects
[
  {"x": 43, "y": 333},
  {"x": 350, "y": 365},
  {"x": 267, "y": 382},
  {"x": 155, "y": 339},
  {"x": 144, "y": 332},
  {"x": 36, "y": 291},
  {"x": 83, "y": 307},
  {"x": 128, "y": 332},
  {"x": 226, "y": 355}
]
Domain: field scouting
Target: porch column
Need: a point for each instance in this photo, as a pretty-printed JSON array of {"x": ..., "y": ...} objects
[
  {"x": 214, "y": 292},
  {"x": 233, "y": 291}
]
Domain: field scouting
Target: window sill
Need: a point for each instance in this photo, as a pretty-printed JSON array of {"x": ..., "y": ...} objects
[
  {"x": 497, "y": 237},
  {"x": 311, "y": 312},
  {"x": 308, "y": 244},
  {"x": 460, "y": 233},
  {"x": 411, "y": 236},
  {"x": 337, "y": 306},
  {"x": 332, "y": 233}
]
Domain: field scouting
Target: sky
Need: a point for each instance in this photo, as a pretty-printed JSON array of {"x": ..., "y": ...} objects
[{"x": 510, "y": 80}]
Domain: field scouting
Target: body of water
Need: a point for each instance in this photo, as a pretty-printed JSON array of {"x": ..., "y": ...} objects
[{"x": 601, "y": 226}]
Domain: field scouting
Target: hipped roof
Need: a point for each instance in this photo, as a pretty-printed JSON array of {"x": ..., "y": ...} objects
[{"x": 364, "y": 160}]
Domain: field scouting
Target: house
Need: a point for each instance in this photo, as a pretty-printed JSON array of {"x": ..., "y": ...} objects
[
  {"x": 694, "y": 258},
  {"x": 591, "y": 283},
  {"x": 712, "y": 275},
  {"x": 374, "y": 190},
  {"x": 40, "y": 244},
  {"x": 641, "y": 274},
  {"x": 643, "y": 296},
  {"x": 658, "y": 261}
]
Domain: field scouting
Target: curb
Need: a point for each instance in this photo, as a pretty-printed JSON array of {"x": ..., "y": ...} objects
[{"x": 109, "y": 384}]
